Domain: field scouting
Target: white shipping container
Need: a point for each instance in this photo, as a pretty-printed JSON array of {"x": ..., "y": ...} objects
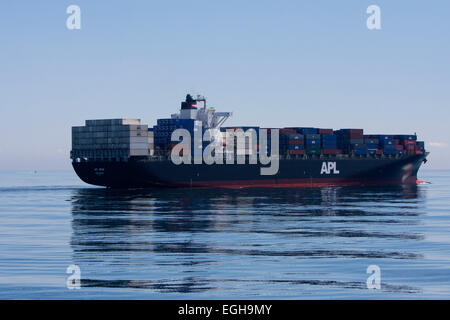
[
  {"x": 131, "y": 121},
  {"x": 139, "y": 152},
  {"x": 138, "y": 146},
  {"x": 138, "y": 140}
]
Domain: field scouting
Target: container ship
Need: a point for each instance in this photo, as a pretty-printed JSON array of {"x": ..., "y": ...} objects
[{"x": 124, "y": 153}]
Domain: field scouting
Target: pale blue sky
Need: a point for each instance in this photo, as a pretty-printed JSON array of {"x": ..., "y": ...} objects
[{"x": 273, "y": 63}]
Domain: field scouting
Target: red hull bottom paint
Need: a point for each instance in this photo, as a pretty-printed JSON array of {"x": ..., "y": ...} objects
[{"x": 290, "y": 183}]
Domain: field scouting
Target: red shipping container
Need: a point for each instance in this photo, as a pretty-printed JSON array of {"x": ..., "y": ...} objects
[
  {"x": 399, "y": 147},
  {"x": 409, "y": 142},
  {"x": 331, "y": 151},
  {"x": 296, "y": 141},
  {"x": 325, "y": 131},
  {"x": 355, "y": 135},
  {"x": 288, "y": 131},
  {"x": 379, "y": 151},
  {"x": 294, "y": 152},
  {"x": 358, "y": 131}
]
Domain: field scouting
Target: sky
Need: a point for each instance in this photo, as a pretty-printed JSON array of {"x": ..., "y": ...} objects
[{"x": 272, "y": 63}]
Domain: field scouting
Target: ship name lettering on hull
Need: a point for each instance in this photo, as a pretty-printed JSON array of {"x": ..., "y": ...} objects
[{"x": 329, "y": 167}]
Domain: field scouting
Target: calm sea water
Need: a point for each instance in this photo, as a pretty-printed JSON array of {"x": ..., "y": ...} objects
[{"x": 211, "y": 244}]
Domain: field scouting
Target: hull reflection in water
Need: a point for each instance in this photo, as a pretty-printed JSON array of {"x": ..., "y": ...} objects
[{"x": 280, "y": 243}]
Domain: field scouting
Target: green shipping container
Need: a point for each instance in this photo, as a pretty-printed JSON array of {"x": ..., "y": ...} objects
[{"x": 313, "y": 151}]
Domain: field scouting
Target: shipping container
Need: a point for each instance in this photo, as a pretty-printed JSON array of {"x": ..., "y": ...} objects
[
  {"x": 331, "y": 151},
  {"x": 308, "y": 130},
  {"x": 382, "y": 137},
  {"x": 312, "y": 136},
  {"x": 403, "y": 137},
  {"x": 356, "y": 141},
  {"x": 409, "y": 142},
  {"x": 313, "y": 151},
  {"x": 287, "y": 131},
  {"x": 371, "y": 141},
  {"x": 296, "y": 141},
  {"x": 296, "y": 152},
  {"x": 313, "y": 142},
  {"x": 325, "y": 131},
  {"x": 329, "y": 137},
  {"x": 384, "y": 142},
  {"x": 360, "y": 152},
  {"x": 296, "y": 147},
  {"x": 296, "y": 136}
]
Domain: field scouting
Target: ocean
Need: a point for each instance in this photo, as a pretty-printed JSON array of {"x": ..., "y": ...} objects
[{"x": 315, "y": 243}]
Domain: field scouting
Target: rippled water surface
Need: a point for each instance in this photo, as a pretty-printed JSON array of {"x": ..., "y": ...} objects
[{"x": 211, "y": 244}]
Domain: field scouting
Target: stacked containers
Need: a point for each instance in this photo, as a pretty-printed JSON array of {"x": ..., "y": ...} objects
[
  {"x": 247, "y": 148},
  {"x": 307, "y": 141},
  {"x": 388, "y": 144},
  {"x": 308, "y": 130},
  {"x": 312, "y": 144},
  {"x": 420, "y": 147},
  {"x": 372, "y": 145},
  {"x": 165, "y": 127},
  {"x": 410, "y": 144},
  {"x": 325, "y": 131},
  {"x": 329, "y": 143},
  {"x": 351, "y": 140},
  {"x": 284, "y": 140},
  {"x": 109, "y": 139},
  {"x": 296, "y": 143}
]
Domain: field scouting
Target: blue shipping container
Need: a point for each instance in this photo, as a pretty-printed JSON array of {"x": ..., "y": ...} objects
[
  {"x": 313, "y": 141},
  {"x": 388, "y": 142},
  {"x": 296, "y": 147},
  {"x": 372, "y": 146},
  {"x": 297, "y": 136},
  {"x": 371, "y": 141},
  {"x": 312, "y": 136}
]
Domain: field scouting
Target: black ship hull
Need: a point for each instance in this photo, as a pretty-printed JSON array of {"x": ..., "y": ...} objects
[{"x": 292, "y": 173}]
